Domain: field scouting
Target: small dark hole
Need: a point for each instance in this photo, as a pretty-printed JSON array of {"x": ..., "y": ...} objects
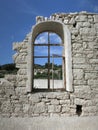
[
  {"x": 78, "y": 110},
  {"x": 74, "y": 25}
]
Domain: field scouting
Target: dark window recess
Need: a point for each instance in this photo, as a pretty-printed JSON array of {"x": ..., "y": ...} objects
[{"x": 79, "y": 110}]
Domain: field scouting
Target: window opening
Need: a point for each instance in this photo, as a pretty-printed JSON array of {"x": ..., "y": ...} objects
[
  {"x": 47, "y": 57},
  {"x": 78, "y": 110}
]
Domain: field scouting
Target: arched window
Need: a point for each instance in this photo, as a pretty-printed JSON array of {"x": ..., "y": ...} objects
[
  {"x": 48, "y": 58},
  {"x": 62, "y": 31}
]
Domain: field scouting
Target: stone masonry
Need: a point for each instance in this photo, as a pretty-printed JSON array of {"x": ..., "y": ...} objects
[{"x": 83, "y": 101}]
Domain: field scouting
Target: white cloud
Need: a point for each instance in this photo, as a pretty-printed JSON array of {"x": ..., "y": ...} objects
[{"x": 42, "y": 38}]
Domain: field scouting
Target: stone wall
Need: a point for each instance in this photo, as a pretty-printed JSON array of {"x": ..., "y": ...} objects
[{"x": 14, "y": 101}]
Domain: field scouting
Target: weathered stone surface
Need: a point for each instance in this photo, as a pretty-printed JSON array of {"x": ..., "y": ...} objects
[
  {"x": 78, "y": 73},
  {"x": 81, "y": 18},
  {"x": 55, "y": 102},
  {"x": 14, "y": 99},
  {"x": 65, "y": 109},
  {"x": 91, "y": 75},
  {"x": 39, "y": 108},
  {"x": 79, "y": 101},
  {"x": 54, "y": 108},
  {"x": 91, "y": 82},
  {"x": 96, "y": 18},
  {"x": 79, "y": 60},
  {"x": 88, "y": 31},
  {"x": 35, "y": 98}
]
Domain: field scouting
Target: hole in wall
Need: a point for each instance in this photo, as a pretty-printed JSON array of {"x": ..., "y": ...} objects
[
  {"x": 78, "y": 110},
  {"x": 74, "y": 25}
]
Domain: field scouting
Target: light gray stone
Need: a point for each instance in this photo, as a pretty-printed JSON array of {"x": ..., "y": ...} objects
[
  {"x": 81, "y": 18},
  {"x": 55, "y": 102},
  {"x": 78, "y": 73},
  {"x": 54, "y": 108},
  {"x": 39, "y": 108},
  {"x": 96, "y": 18}
]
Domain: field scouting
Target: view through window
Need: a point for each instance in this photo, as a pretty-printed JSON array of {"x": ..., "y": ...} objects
[{"x": 48, "y": 59}]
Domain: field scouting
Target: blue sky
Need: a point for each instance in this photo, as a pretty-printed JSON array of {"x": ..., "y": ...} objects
[{"x": 18, "y": 16}]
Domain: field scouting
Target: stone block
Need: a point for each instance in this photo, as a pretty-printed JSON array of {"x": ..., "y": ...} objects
[
  {"x": 87, "y": 31},
  {"x": 92, "y": 82},
  {"x": 82, "y": 66},
  {"x": 82, "y": 88},
  {"x": 78, "y": 73},
  {"x": 79, "y": 60},
  {"x": 86, "y": 24},
  {"x": 65, "y": 109},
  {"x": 81, "y": 18},
  {"x": 55, "y": 102},
  {"x": 80, "y": 82},
  {"x": 75, "y": 32},
  {"x": 96, "y": 18},
  {"x": 22, "y": 71},
  {"x": 34, "y": 98},
  {"x": 39, "y": 108},
  {"x": 63, "y": 96},
  {"x": 63, "y": 102},
  {"x": 83, "y": 95},
  {"x": 54, "y": 108},
  {"x": 77, "y": 46},
  {"x": 94, "y": 61},
  {"x": 90, "y": 109},
  {"x": 91, "y": 76},
  {"x": 26, "y": 108},
  {"x": 21, "y": 65},
  {"x": 79, "y": 101}
]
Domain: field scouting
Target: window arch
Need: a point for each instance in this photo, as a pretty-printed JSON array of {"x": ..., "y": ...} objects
[{"x": 63, "y": 32}]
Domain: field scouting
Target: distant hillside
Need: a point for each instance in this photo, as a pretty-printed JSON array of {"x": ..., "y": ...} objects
[{"x": 7, "y": 69}]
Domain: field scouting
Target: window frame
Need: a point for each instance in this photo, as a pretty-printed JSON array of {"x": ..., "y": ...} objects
[{"x": 62, "y": 30}]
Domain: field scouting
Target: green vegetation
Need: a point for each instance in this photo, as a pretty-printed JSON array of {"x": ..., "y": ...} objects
[
  {"x": 7, "y": 69},
  {"x": 42, "y": 71},
  {"x": 55, "y": 66}
]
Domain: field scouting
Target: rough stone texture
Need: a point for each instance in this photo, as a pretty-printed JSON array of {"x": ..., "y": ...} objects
[
  {"x": 49, "y": 123},
  {"x": 14, "y": 101}
]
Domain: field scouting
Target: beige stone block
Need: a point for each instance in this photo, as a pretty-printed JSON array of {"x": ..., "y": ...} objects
[
  {"x": 94, "y": 61},
  {"x": 86, "y": 24},
  {"x": 87, "y": 31},
  {"x": 81, "y": 18},
  {"x": 54, "y": 108},
  {"x": 55, "y": 102},
  {"x": 67, "y": 102},
  {"x": 34, "y": 98},
  {"x": 65, "y": 109},
  {"x": 96, "y": 18},
  {"x": 80, "y": 82},
  {"x": 26, "y": 108},
  {"x": 39, "y": 108},
  {"x": 79, "y": 60},
  {"x": 91, "y": 75},
  {"x": 78, "y": 101},
  {"x": 78, "y": 73},
  {"x": 92, "y": 82}
]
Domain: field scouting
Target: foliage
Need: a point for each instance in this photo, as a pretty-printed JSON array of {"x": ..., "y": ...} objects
[
  {"x": 7, "y": 69},
  {"x": 57, "y": 71}
]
